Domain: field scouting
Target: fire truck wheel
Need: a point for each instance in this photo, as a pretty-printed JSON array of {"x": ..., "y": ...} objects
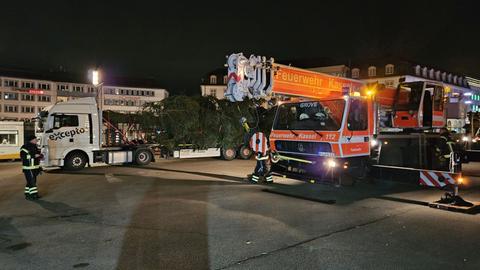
[
  {"x": 75, "y": 161},
  {"x": 143, "y": 157},
  {"x": 245, "y": 152},
  {"x": 229, "y": 153}
]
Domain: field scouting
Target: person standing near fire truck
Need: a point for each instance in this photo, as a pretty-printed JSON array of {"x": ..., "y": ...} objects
[
  {"x": 259, "y": 145},
  {"x": 30, "y": 155}
]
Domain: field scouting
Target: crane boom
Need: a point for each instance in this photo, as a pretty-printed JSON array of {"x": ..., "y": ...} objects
[{"x": 256, "y": 77}]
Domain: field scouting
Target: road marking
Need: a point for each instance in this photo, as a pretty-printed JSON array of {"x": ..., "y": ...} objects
[{"x": 112, "y": 179}]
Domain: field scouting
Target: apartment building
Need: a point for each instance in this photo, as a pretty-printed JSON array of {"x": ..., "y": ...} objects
[
  {"x": 214, "y": 83},
  {"x": 23, "y": 94}
]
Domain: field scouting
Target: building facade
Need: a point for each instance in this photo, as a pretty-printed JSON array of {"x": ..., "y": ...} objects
[
  {"x": 130, "y": 99},
  {"x": 23, "y": 94},
  {"x": 22, "y": 98},
  {"x": 215, "y": 83}
]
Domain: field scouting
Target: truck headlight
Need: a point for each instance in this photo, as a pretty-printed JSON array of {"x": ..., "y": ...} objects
[
  {"x": 331, "y": 163},
  {"x": 465, "y": 138},
  {"x": 373, "y": 143}
]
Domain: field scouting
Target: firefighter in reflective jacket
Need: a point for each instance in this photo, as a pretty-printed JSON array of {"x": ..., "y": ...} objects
[
  {"x": 259, "y": 145},
  {"x": 31, "y": 156}
]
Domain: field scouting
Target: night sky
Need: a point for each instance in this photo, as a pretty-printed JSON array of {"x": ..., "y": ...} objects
[{"x": 177, "y": 42}]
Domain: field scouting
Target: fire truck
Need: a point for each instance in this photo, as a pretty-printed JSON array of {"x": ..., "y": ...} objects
[{"x": 330, "y": 127}]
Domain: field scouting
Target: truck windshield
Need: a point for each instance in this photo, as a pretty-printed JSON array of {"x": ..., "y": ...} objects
[{"x": 314, "y": 115}]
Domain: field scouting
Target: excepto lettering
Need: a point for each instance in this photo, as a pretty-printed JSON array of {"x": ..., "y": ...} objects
[{"x": 66, "y": 134}]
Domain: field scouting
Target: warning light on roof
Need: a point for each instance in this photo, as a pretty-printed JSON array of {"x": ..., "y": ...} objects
[{"x": 460, "y": 180}]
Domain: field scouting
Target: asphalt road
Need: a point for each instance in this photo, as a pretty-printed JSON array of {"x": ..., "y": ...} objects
[{"x": 201, "y": 214}]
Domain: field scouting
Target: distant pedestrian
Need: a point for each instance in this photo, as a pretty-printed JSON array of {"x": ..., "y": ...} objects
[{"x": 31, "y": 156}]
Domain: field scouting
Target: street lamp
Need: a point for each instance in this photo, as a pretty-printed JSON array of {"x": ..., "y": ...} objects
[
  {"x": 96, "y": 82},
  {"x": 95, "y": 77}
]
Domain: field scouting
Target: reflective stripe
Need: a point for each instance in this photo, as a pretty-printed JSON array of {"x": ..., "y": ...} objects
[
  {"x": 261, "y": 158},
  {"x": 31, "y": 167},
  {"x": 26, "y": 151},
  {"x": 295, "y": 159},
  {"x": 32, "y": 161}
]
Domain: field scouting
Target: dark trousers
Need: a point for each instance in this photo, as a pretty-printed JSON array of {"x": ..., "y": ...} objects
[
  {"x": 31, "y": 178},
  {"x": 260, "y": 169}
]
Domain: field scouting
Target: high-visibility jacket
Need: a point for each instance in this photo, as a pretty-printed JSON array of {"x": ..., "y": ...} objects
[
  {"x": 259, "y": 143},
  {"x": 27, "y": 153}
]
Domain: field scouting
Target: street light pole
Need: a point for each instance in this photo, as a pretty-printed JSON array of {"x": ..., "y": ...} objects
[{"x": 99, "y": 85}]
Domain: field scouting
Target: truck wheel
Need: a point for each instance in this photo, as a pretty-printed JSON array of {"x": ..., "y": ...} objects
[
  {"x": 75, "y": 161},
  {"x": 143, "y": 157},
  {"x": 229, "y": 153},
  {"x": 245, "y": 152}
]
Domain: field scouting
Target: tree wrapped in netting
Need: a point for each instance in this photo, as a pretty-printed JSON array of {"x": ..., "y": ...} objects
[{"x": 200, "y": 122}]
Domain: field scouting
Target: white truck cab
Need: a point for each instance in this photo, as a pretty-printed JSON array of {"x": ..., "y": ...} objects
[{"x": 70, "y": 136}]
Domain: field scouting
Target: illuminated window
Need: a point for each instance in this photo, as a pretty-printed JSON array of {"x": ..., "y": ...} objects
[
  {"x": 389, "y": 69},
  {"x": 355, "y": 73},
  {"x": 225, "y": 79},
  {"x": 213, "y": 79},
  {"x": 449, "y": 78},
  {"x": 10, "y": 96},
  {"x": 372, "y": 71},
  {"x": 9, "y": 138},
  {"x": 389, "y": 83},
  {"x": 437, "y": 75},
  {"x": 444, "y": 76},
  {"x": 213, "y": 92},
  {"x": 431, "y": 74}
]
